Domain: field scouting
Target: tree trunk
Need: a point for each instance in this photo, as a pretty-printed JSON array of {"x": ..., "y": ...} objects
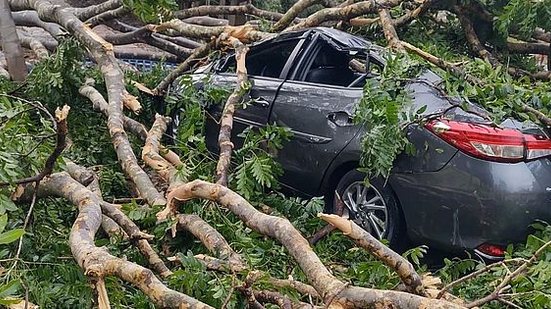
[{"x": 10, "y": 44}]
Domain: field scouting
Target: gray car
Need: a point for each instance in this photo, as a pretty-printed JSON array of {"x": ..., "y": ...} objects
[{"x": 469, "y": 185}]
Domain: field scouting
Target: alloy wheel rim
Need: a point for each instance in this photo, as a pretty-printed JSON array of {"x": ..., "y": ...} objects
[{"x": 366, "y": 206}]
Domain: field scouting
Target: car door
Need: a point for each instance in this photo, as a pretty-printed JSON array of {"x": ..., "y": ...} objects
[
  {"x": 319, "y": 113},
  {"x": 265, "y": 67}
]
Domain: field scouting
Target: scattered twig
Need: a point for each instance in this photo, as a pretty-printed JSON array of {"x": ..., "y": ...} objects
[
  {"x": 505, "y": 282},
  {"x": 328, "y": 228},
  {"x": 61, "y": 135},
  {"x": 474, "y": 274}
]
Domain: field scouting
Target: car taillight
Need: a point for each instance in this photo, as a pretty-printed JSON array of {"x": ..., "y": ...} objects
[
  {"x": 537, "y": 146},
  {"x": 491, "y": 143},
  {"x": 491, "y": 251}
]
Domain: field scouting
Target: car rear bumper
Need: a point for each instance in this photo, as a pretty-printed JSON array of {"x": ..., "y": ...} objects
[{"x": 470, "y": 202}]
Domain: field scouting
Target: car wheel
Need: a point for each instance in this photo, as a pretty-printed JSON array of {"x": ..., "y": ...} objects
[{"x": 373, "y": 207}]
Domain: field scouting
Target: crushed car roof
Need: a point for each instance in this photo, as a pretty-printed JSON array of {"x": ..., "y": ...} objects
[{"x": 344, "y": 40}]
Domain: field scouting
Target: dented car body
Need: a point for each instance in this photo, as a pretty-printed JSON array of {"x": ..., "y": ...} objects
[{"x": 468, "y": 185}]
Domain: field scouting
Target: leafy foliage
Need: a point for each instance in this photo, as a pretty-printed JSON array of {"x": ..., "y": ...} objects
[
  {"x": 54, "y": 280},
  {"x": 257, "y": 168},
  {"x": 524, "y": 17},
  {"x": 531, "y": 289},
  {"x": 151, "y": 10},
  {"x": 385, "y": 111}
]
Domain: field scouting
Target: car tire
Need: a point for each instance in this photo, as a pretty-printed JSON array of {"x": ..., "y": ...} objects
[{"x": 379, "y": 195}]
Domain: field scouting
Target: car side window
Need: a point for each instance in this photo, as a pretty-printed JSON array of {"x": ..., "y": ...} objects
[
  {"x": 330, "y": 66},
  {"x": 264, "y": 60}
]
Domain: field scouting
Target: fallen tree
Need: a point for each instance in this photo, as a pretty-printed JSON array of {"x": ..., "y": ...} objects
[{"x": 166, "y": 181}]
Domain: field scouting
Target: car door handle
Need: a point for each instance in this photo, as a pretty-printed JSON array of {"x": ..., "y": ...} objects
[
  {"x": 260, "y": 101},
  {"x": 341, "y": 119}
]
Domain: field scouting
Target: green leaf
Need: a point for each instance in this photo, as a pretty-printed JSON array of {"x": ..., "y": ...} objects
[
  {"x": 3, "y": 222},
  {"x": 9, "y": 301},
  {"x": 9, "y": 289},
  {"x": 6, "y": 204},
  {"x": 11, "y": 236},
  {"x": 421, "y": 110}
]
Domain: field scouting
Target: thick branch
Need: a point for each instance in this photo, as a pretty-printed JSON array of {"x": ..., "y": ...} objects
[
  {"x": 529, "y": 48},
  {"x": 226, "y": 122},
  {"x": 36, "y": 46},
  {"x": 333, "y": 291},
  {"x": 197, "y": 54},
  {"x": 227, "y": 10},
  {"x": 31, "y": 19},
  {"x": 10, "y": 44},
  {"x": 389, "y": 30},
  {"x": 145, "y": 35},
  {"x": 216, "y": 264},
  {"x": 135, "y": 234},
  {"x": 271, "y": 297},
  {"x": 151, "y": 156},
  {"x": 206, "y": 21},
  {"x": 107, "y": 16},
  {"x": 93, "y": 10},
  {"x": 344, "y": 13},
  {"x": 292, "y": 13},
  {"x": 472, "y": 38},
  {"x": 181, "y": 41},
  {"x": 401, "y": 266},
  {"x": 124, "y": 150},
  {"x": 245, "y": 33},
  {"x": 540, "y": 34},
  {"x": 413, "y": 14},
  {"x": 210, "y": 238},
  {"x": 91, "y": 181},
  {"x": 97, "y": 262}
]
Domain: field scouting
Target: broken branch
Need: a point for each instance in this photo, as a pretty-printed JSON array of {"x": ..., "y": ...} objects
[
  {"x": 332, "y": 290},
  {"x": 61, "y": 135},
  {"x": 226, "y": 122},
  {"x": 401, "y": 266}
]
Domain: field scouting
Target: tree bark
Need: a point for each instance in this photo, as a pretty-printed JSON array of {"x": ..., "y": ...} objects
[
  {"x": 227, "y": 10},
  {"x": 10, "y": 44},
  {"x": 226, "y": 122},
  {"x": 122, "y": 146},
  {"x": 343, "y": 13},
  {"x": 197, "y": 54},
  {"x": 31, "y": 19},
  {"x": 332, "y": 290},
  {"x": 97, "y": 262},
  {"x": 210, "y": 238},
  {"x": 246, "y": 33},
  {"x": 292, "y": 13},
  {"x": 389, "y": 31},
  {"x": 401, "y": 266}
]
